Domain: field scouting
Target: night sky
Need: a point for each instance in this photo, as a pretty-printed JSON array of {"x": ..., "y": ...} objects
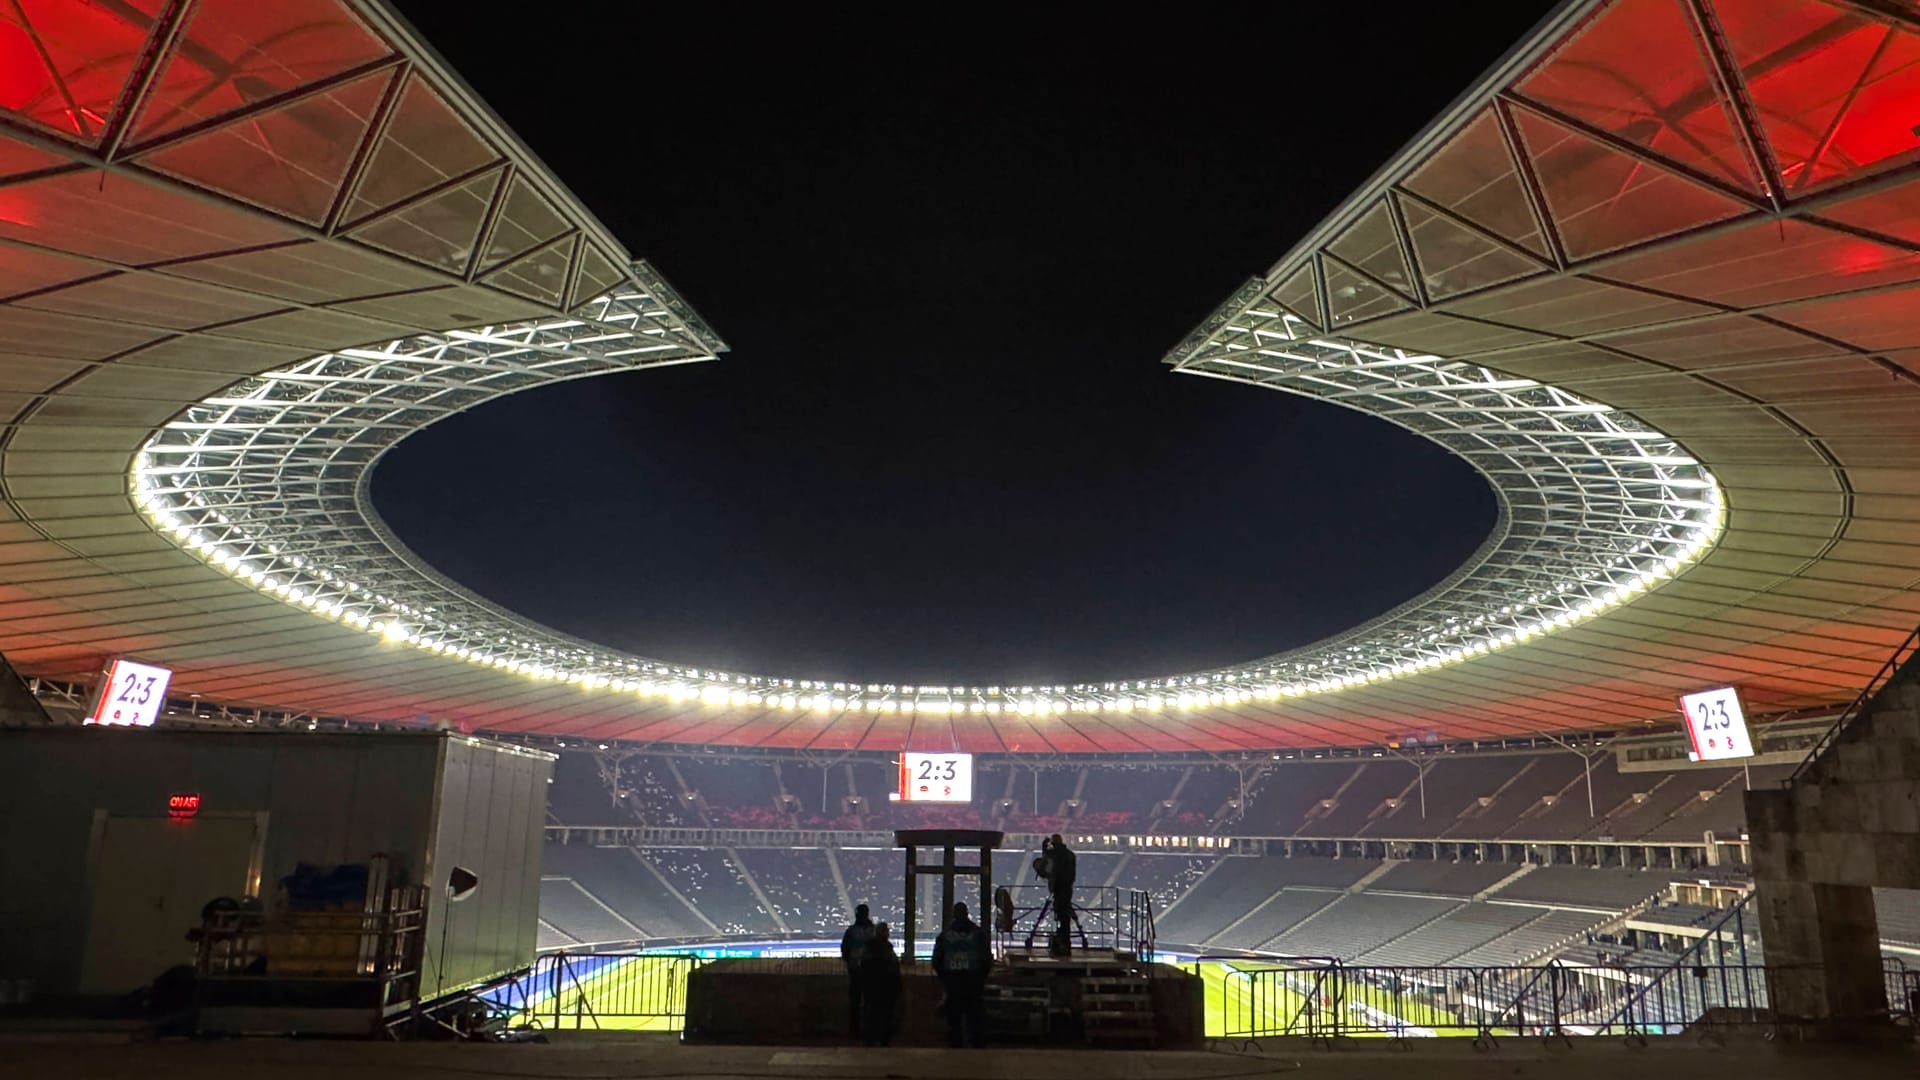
[{"x": 949, "y": 248}]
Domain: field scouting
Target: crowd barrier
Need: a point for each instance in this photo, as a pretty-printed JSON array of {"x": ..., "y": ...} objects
[
  {"x": 1314, "y": 997},
  {"x": 1328, "y": 999}
]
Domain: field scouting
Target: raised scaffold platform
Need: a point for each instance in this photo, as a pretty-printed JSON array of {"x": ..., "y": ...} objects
[{"x": 1089, "y": 999}]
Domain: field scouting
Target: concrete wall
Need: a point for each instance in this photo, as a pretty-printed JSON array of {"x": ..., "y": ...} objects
[
  {"x": 1853, "y": 818},
  {"x": 1851, "y": 822},
  {"x": 328, "y": 798}
]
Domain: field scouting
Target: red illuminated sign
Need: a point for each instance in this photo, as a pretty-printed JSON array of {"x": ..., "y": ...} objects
[{"x": 180, "y": 807}]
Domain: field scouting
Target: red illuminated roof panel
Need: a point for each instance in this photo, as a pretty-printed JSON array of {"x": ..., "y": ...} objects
[
  {"x": 1639, "y": 71},
  {"x": 235, "y": 54},
  {"x": 65, "y": 66},
  {"x": 1833, "y": 88}
]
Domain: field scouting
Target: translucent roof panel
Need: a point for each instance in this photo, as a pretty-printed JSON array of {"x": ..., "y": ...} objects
[
  {"x": 1640, "y": 71},
  {"x": 425, "y": 145},
  {"x": 64, "y": 66},
  {"x": 292, "y": 159},
  {"x": 236, "y": 53},
  {"x": 1603, "y": 199},
  {"x": 1833, "y": 87}
]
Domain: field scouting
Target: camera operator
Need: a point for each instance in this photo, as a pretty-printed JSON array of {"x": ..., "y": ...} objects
[{"x": 1056, "y": 865}]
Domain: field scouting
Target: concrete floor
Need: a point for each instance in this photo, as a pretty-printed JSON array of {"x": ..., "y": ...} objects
[{"x": 633, "y": 1057}]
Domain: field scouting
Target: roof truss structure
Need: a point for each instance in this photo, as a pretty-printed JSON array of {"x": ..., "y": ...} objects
[{"x": 1657, "y": 277}]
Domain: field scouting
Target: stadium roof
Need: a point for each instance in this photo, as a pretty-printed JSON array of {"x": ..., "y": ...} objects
[{"x": 1657, "y": 277}]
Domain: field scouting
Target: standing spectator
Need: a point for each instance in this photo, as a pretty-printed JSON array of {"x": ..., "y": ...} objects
[
  {"x": 962, "y": 957},
  {"x": 1062, "y": 868},
  {"x": 853, "y": 953},
  {"x": 880, "y": 989}
]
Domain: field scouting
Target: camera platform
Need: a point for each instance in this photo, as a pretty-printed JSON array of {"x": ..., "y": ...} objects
[{"x": 1101, "y": 999}]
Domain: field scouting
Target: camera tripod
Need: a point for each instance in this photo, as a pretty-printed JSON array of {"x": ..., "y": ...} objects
[{"x": 1040, "y": 920}]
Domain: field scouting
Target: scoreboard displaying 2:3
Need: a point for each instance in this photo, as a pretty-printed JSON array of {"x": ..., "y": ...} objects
[
  {"x": 1716, "y": 725},
  {"x": 130, "y": 695},
  {"x": 936, "y": 778}
]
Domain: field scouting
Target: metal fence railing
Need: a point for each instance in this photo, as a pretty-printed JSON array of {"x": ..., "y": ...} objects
[
  {"x": 620, "y": 990},
  {"x": 1255, "y": 998},
  {"x": 1104, "y": 918},
  {"x": 1329, "y": 999}
]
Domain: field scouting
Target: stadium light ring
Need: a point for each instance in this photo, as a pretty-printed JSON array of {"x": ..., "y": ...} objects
[{"x": 266, "y": 481}]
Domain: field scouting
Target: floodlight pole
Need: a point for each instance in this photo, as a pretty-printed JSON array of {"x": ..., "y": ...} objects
[
  {"x": 1586, "y": 765},
  {"x": 1420, "y": 768}
]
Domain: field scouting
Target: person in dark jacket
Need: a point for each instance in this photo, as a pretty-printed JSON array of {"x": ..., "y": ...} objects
[
  {"x": 880, "y": 989},
  {"x": 853, "y": 953},
  {"x": 962, "y": 956},
  {"x": 1063, "y": 868}
]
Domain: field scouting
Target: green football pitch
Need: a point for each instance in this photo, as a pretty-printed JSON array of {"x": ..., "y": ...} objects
[{"x": 649, "y": 994}]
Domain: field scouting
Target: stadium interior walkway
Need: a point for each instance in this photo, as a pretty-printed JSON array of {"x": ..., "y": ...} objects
[{"x": 662, "y": 1057}]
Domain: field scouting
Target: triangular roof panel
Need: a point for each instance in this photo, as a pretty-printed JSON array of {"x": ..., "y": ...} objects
[
  {"x": 65, "y": 65},
  {"x": 541, "y": 276},
  {"x": 526, "y": 221},
  {"x": 1833, "y": 88},
  {"x": 1370, "y": 245},
  {"x": 424, "y": 144},
  {"x": 1352, "y": 298},
  {"x": 597, "y": 274},
  {"x": 233, "y": 53},
  {"x": 1473, "y": 175},
  {"x": 440, "y": 231},
  {"x": 1602, "y": 199},
  {"x": 1296, "y": 294},
  {"x": 1454, "y": 259},
  {"x": 1638, "y": 71},
  {"x": 292, "y": 159}
]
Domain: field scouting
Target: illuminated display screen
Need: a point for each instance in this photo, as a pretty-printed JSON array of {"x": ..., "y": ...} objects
[
  {"x": 132, "y": 695},
  {"x": 936, "y": 778},
  {"x": 183, "y": 806},
  {"x": 1716, "y": 725}
]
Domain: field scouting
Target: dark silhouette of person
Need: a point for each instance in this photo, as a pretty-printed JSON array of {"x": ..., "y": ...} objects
[
  {"x": 853, "y": 953},
  {"x": 880, "y": 989},
  {"x": 962, "y": 956},
  {"x": 1061, "y": 865}
]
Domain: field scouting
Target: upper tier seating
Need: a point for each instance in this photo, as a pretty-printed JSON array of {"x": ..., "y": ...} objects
[
  {"x": 1580, "y": 886},
  {"x": 1462, "y": 879}
]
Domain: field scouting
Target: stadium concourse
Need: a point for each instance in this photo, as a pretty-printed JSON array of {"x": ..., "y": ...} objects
[{"x": 1656, "y": 276}]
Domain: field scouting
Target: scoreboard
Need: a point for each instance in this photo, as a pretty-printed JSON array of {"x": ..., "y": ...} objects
[
  {"x": 946, "y": 778},
  {"x": 1716, "y": 725},
  {"x": 131, "y": 695}
]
